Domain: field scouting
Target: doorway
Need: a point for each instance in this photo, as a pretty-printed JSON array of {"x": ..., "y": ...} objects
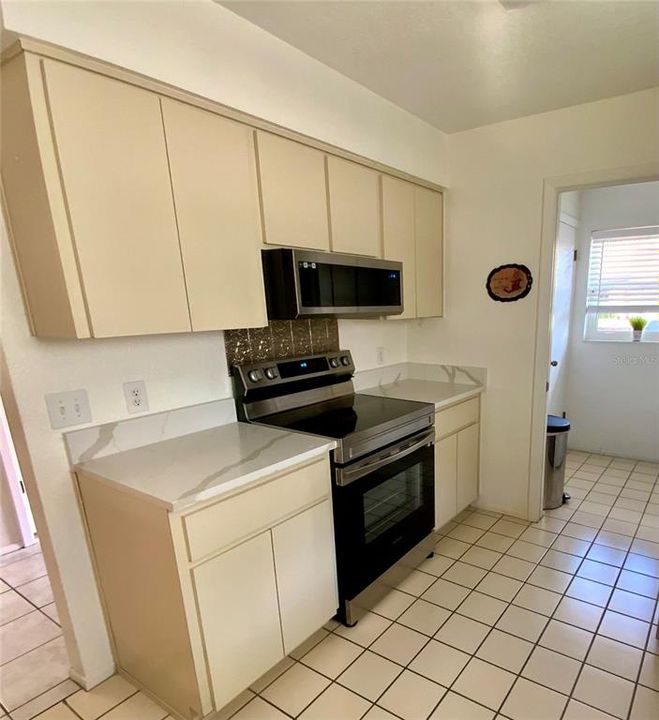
[
  {"x": 550, "y": 229},
  {"x": 17, "y": 528}
]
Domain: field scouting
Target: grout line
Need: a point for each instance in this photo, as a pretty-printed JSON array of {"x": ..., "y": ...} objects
[
  {"x": 36, "y": 697},
  {"x": 109, "y": 710},
  {"x": 32, "y": 649},
  {"x": 537, "y": 564},
  {"x": 599, "y": 624},
  {"x": 508, "y": 604}
]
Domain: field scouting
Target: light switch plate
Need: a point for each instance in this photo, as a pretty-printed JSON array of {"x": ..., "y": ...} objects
[{"x": 68, "y": 408}]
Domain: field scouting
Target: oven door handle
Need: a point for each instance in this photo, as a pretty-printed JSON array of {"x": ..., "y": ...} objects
[{"x": 345, "y": 476}]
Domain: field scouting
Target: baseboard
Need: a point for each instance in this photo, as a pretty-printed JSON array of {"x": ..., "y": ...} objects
[
  {"x": 6, "y": 549},
  {"x": 87, "y": 682}
]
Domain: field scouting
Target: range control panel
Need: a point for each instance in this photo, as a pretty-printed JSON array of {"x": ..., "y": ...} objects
[{"x": 273, "y": 372}]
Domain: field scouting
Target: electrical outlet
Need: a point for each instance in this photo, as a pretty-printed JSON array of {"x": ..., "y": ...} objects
[
  {"x": 135, "y": 394},
  {"x": 68, "y": 408},
  {"x": 380, "y": 352}
]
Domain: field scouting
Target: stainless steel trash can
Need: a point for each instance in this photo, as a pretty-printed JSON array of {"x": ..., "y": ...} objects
[{"x": 557, "y": 431}]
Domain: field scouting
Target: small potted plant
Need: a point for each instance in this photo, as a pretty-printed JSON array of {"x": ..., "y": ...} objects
[{"x": 638, "y": 324}]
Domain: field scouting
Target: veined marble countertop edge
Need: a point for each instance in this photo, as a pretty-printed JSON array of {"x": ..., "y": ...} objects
[
  {"x": 440, "y": 394},
  {"x": 177, "y": 496}
]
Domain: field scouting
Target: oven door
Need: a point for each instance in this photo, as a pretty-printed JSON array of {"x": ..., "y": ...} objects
[{"x": 384, "y": 505}]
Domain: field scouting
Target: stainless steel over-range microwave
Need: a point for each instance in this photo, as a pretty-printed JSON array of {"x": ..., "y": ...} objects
[{"x": 304, "y": 283}]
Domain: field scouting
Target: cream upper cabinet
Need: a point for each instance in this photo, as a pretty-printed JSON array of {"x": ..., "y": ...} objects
[
  {"x": 237, "y": 597},
  {"x": 111, "y": 150},
  {"x": 306, "y": 573},
  {"x": 293, "y": 193},
  {"x": 136, "y": 209},
  {"x": 429, "y": 256},
  {"x": 213, "y": 170},
  {"x": 354, "y": 205},
  {"x": 398, "y": 236}
]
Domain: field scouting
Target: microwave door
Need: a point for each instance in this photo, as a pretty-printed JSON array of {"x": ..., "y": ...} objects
[{"x": 302, "y": 283}]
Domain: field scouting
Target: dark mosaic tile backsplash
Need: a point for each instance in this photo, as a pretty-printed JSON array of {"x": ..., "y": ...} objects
[{"x": 281, "y": 339}]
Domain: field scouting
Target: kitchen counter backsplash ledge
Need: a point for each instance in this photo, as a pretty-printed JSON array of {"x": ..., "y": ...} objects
[{"x": 434, "y": 372}]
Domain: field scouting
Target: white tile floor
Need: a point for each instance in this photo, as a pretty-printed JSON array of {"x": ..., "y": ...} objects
[{"x": 552, "y": 621}]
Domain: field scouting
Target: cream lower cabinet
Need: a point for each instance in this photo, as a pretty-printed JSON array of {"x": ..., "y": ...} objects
[
  {"x": 457, "y": 436},
  {"x": 306, "y": 573},
  {"x": 263, "y": 598},
  {"x": 237, "y": 597},
  {"x": 201, "y": 603}
]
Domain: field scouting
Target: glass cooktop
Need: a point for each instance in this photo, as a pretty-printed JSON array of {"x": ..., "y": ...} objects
[{"x": 344, "y": 416}]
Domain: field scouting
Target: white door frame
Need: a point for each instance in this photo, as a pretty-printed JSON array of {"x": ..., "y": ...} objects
[
  {"x": 552, "y": 188},
  {"x": 9, "y": 461}
]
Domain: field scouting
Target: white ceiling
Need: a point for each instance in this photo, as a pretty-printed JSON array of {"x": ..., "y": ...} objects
[{"x": 464, "y": 64}]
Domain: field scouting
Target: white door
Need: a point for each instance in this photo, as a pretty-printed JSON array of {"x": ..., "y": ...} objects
[{"x": 561, "y": 310}]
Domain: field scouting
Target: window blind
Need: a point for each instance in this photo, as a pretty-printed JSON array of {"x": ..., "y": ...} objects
[{"x": 623, "y": 273}]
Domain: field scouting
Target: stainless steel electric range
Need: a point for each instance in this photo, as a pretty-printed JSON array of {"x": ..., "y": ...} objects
[{"x": 383, "y": 465}]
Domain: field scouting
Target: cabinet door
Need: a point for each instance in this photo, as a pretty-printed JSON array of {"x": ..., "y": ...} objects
[
  {"x": 354, "y": 203},
  {"x": 468, "y": 441},
  {"x": 398, "y": 236},
  {"x": 446, "y": 458},
  {"x": 428, "y": 237},
  {"x": 237, "y": 597},
  {"x": 306, "y": 573},
  {"x": 213, "y": 169},
  {"x": 293, "y": 193},
  {"x": 113, "y": 163}
]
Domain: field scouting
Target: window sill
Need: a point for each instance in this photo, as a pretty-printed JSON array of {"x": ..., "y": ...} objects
[{"x": 620, "y": 341}]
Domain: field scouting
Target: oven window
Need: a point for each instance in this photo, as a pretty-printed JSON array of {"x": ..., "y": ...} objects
[{"x": 392, "y": 501}]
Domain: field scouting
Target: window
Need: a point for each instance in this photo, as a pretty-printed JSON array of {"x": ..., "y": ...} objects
[{"x": 623, "y": 282}]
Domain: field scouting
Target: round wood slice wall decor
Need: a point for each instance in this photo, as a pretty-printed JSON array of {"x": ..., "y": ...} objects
[{"x": 509, "y": 283}]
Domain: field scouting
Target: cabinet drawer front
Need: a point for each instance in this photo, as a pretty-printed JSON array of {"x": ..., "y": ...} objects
[
  {"x": 242, "y": 515},
  {"x": 457, "y": 417}
]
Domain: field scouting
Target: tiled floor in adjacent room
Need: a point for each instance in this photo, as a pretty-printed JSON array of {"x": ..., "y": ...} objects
[{"x": 509, "y": 620}]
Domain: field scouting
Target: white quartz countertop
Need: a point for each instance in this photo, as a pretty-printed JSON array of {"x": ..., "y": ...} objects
[
  {"x": 180, "y": 472},
  {"x": 442, "y": 394}
]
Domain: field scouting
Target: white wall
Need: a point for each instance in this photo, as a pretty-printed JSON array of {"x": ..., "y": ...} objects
[
  {"x": 571, "y": 203},
  {"x": 494, "y": 216},
  {"x": 206, "y": 49},
  {"x": 613, "y": 388}
]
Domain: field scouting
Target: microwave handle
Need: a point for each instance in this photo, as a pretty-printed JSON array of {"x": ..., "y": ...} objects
[{"x": 345, "y": 476}]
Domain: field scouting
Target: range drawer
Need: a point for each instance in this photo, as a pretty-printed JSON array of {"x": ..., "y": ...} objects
[
  {"x": 228, "y": 521},
  {"x": 455, "y": 418}
]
